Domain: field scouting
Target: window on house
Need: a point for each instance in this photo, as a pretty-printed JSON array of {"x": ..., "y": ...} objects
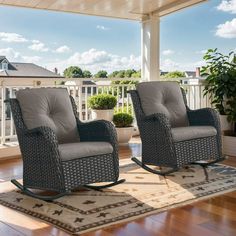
[{"x": 4, "y": 66}]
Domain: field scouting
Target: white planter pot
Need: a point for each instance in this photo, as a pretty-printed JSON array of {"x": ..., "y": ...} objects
[
  {"x": 229, "y": 145},
  {"x": 225, "y": 124},
  {"x": 103, "y": 114},
  {"x": 124, "y": 134}
]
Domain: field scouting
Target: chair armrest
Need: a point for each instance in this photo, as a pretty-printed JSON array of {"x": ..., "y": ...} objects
[
  {"x": 99, "y": 130},
  {"x": 156, "y": 125},
  {"x": 158, "y": 117},
  {"x": 155, "y": 132},
  {"x": 204, "y": 116},
  {"x": 45, "y": 131}
]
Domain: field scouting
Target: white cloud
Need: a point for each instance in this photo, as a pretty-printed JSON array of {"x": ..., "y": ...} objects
[
  {"x": 31, "y": 59},
  {"x": 101, "y": 27},
  {"x": 90, "y": 57},
  {"x": 12, "y": 37},
  {"x": 10, "y": 54},
  {"x": 14, "y": 56},
  {"x": 95, "y": 60},
  {"x": 168, "y": 52},
  {"x": 170, "y": 65},
  {"x": 201, "y": 51},
  {"x": 227, "y": 30},
  {"x": 38, "y": 46},
  {"x": 227, "y": 6},
  {"x": 35, "y": 41},
  {"x": 63, "y": 49}
]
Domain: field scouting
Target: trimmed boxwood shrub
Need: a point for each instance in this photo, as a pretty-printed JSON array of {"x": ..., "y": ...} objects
[
  {"x": 102, "y": 102},
  {"x": 123, "y": 120}
]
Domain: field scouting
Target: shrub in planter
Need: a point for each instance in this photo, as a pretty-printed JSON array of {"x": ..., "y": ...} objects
[
  {"x": 220, "y": 85},
  {"x": 123, "y": 120},
  {"x": 102, "y": 106},
  {"x": 102, "y": 102},
  {"x": 124, "y": 128}
]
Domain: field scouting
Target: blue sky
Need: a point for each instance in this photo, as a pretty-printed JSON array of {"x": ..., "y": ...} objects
[{"x": 53, "y": 39}]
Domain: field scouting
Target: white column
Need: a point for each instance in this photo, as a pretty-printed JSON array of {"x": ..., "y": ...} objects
[{"x": 150, "y": 48}]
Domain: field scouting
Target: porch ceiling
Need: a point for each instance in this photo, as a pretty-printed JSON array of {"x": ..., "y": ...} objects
[{"x": 125, "y": 9}]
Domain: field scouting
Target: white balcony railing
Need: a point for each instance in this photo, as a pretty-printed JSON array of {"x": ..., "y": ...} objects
[{"x": 81, "y": 90}]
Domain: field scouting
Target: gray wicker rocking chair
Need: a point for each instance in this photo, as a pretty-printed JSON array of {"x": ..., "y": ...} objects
[
  {"x": 59, "y": 152},
  {"x": 173, "y": 135}
]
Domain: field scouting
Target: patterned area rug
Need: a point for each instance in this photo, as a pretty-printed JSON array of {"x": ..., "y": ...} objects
[{"x": 142, "y": 194}]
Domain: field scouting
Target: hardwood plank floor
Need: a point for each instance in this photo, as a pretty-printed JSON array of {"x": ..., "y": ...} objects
[{"x": 212, "y": 217}]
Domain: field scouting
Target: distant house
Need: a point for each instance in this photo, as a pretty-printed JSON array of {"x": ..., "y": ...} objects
[
  {"x": 193, "y": 77},
  {"x": 24, "y": 70},
  {"x": 190, "y": 74}
]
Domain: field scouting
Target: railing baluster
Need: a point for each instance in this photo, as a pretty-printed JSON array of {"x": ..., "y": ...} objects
[
  {"x": 123, "y": 97},
  {"x": 11, "y": 118},
  {"x": 86, "y": 103},
  {"x": 3, "y": 115},
  {"x": 117, "y": 96}
]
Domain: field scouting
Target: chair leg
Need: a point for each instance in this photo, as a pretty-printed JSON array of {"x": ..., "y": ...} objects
[
  {"x": 205, "y": 163},
  {"x": 94, "y": 187},
  {"x": 31, "y": 194},
  {"x": 145, "y": 167}
]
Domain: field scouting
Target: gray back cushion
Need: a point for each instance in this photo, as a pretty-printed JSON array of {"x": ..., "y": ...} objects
[
  {"x": 166, "y": 98},
  {"x": 49, "y": 107}
]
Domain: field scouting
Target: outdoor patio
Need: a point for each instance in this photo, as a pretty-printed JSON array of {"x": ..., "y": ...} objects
[{"x": 214, "y": 215}]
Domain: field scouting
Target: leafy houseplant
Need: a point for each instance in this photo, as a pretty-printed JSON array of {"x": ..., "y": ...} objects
[
  {"x": 102, "y": 106},
  {"x": 220, "y": 73},
  {"x": 123, "y": 122}
]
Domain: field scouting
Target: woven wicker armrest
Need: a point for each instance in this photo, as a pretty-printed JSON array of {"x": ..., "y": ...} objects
[
  {"x": 204, "y": 116},
  {"x": 157, "y": 117},
  {"x": 47, "y": 133},
  {"x": 157, "y": 125},
  {"x": 100, "y": 130}
]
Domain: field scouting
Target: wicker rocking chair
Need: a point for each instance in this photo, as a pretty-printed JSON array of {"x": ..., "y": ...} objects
[
  {"x": 173, "y": 135},
  {"x": 60, "y": 153}
]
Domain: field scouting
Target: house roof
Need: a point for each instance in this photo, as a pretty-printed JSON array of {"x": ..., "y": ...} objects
[
  {"x": 190, "y": 73},
  {"x": 2, "y": 58},
  {"x": 124, "y": 9},
  {"x": 16, "y": 69}
]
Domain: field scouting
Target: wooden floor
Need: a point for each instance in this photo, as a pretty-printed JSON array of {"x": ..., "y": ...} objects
[{"x": 215, "y": 216}]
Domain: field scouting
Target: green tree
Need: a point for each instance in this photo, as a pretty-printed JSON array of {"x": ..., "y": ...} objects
[
  {"x": 87, "y": 74},
  {"x": 73, "y": 72},
  {"x": 174, "y": 74},
  {"x": 121, "y": 74},
  {"x": 129, "y": 73},
  {"x": 113, "y": 74},
  {"x": 101, "y": 74},
  {"x": 136, "y": 74}
]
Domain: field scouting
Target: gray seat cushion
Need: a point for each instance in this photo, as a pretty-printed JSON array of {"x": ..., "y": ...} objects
[
  {"x": 166, "y": 98},
  {"x": 192, "y": 132},
  {"x": 70, "y": 151},
  {"x": 49, "y": 107}
]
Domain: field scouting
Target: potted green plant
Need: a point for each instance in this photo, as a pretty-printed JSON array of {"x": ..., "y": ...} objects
[
  {"x": 102, "y": 106},
  {"x": 220, "y": 85},
  {"x": 123, "y": 122}
]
